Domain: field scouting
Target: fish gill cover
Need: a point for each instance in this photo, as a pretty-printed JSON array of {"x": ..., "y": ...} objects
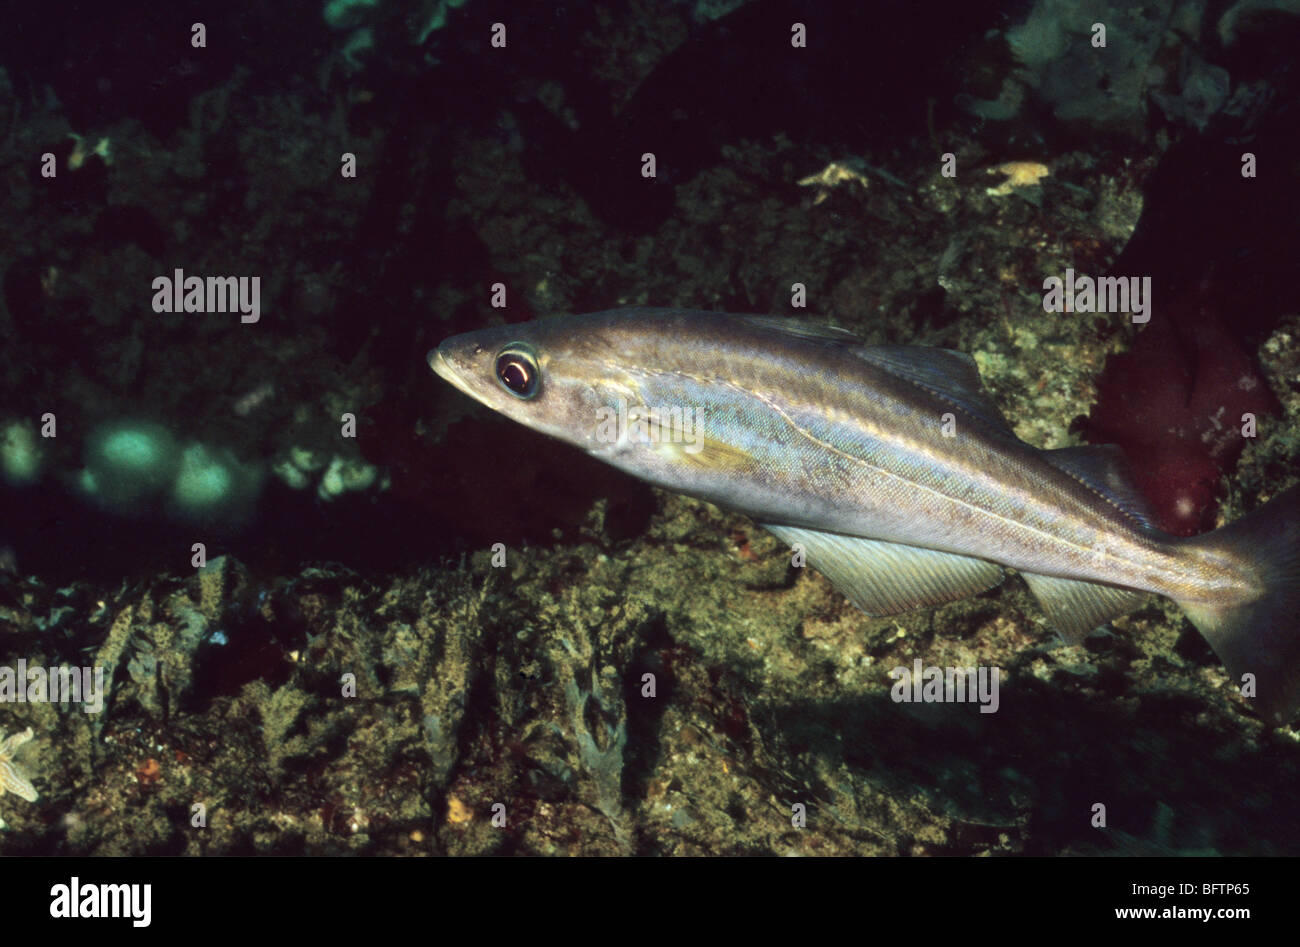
[{"x": 344, "y": 609}]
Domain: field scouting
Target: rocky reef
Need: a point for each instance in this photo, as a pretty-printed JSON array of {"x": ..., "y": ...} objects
[{"x": 429, "y": 631}]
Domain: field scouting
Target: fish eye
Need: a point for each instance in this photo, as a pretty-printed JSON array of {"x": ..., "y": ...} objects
[{"x": 517, "y": 371}]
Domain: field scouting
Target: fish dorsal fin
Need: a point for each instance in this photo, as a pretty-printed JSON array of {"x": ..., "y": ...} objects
[
  {"x": 947, "y": 374},
  {"x": 1105, "y": 470},
  {"x": 1075, "y": 608},
  {"x": 798, "y": 328},
  {"x": 888, "y": 578}
]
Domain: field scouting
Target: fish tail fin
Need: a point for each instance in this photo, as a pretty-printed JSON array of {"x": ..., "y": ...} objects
[{"x": 1260, "y": 635}]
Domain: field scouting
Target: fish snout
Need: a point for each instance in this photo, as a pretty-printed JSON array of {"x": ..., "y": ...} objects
[{"x": 445, "y": 368}]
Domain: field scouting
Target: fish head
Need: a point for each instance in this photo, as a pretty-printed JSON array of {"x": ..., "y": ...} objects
[
  {"x": 548, "y": 375},
  {"x": 614, "y": 384}
]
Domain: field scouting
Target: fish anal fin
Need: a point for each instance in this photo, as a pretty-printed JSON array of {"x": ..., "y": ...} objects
[
  {"x": 1075, "y": 607},
  {"x": 883, "y": 578}
]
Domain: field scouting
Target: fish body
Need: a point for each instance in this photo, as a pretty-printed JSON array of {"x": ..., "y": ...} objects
[{"x": 890, "y": 466}]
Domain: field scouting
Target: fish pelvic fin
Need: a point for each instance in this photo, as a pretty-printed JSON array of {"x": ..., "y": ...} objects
[{"x": 1260, "y": 635}]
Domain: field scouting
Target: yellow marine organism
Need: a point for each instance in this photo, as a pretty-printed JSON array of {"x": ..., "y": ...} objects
[
  {"x": 831, "y": 176},
  {"x": 1018, "y": 174}
]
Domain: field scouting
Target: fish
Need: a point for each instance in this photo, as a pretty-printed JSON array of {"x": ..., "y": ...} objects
[{"x": 892, "y": 469}]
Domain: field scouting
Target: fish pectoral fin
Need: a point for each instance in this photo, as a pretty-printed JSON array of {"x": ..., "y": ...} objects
[
  {"x": 1075, "y": 608},
  {"x": 706, "y": 453},
  {"x": 883, "y": 578}
]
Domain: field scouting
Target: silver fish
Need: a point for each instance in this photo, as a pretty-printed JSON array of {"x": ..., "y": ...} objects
[{"x": 892, "y": 468}]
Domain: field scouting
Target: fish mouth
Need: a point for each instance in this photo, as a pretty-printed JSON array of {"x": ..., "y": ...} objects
[{"x": 438, "y": 362}]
